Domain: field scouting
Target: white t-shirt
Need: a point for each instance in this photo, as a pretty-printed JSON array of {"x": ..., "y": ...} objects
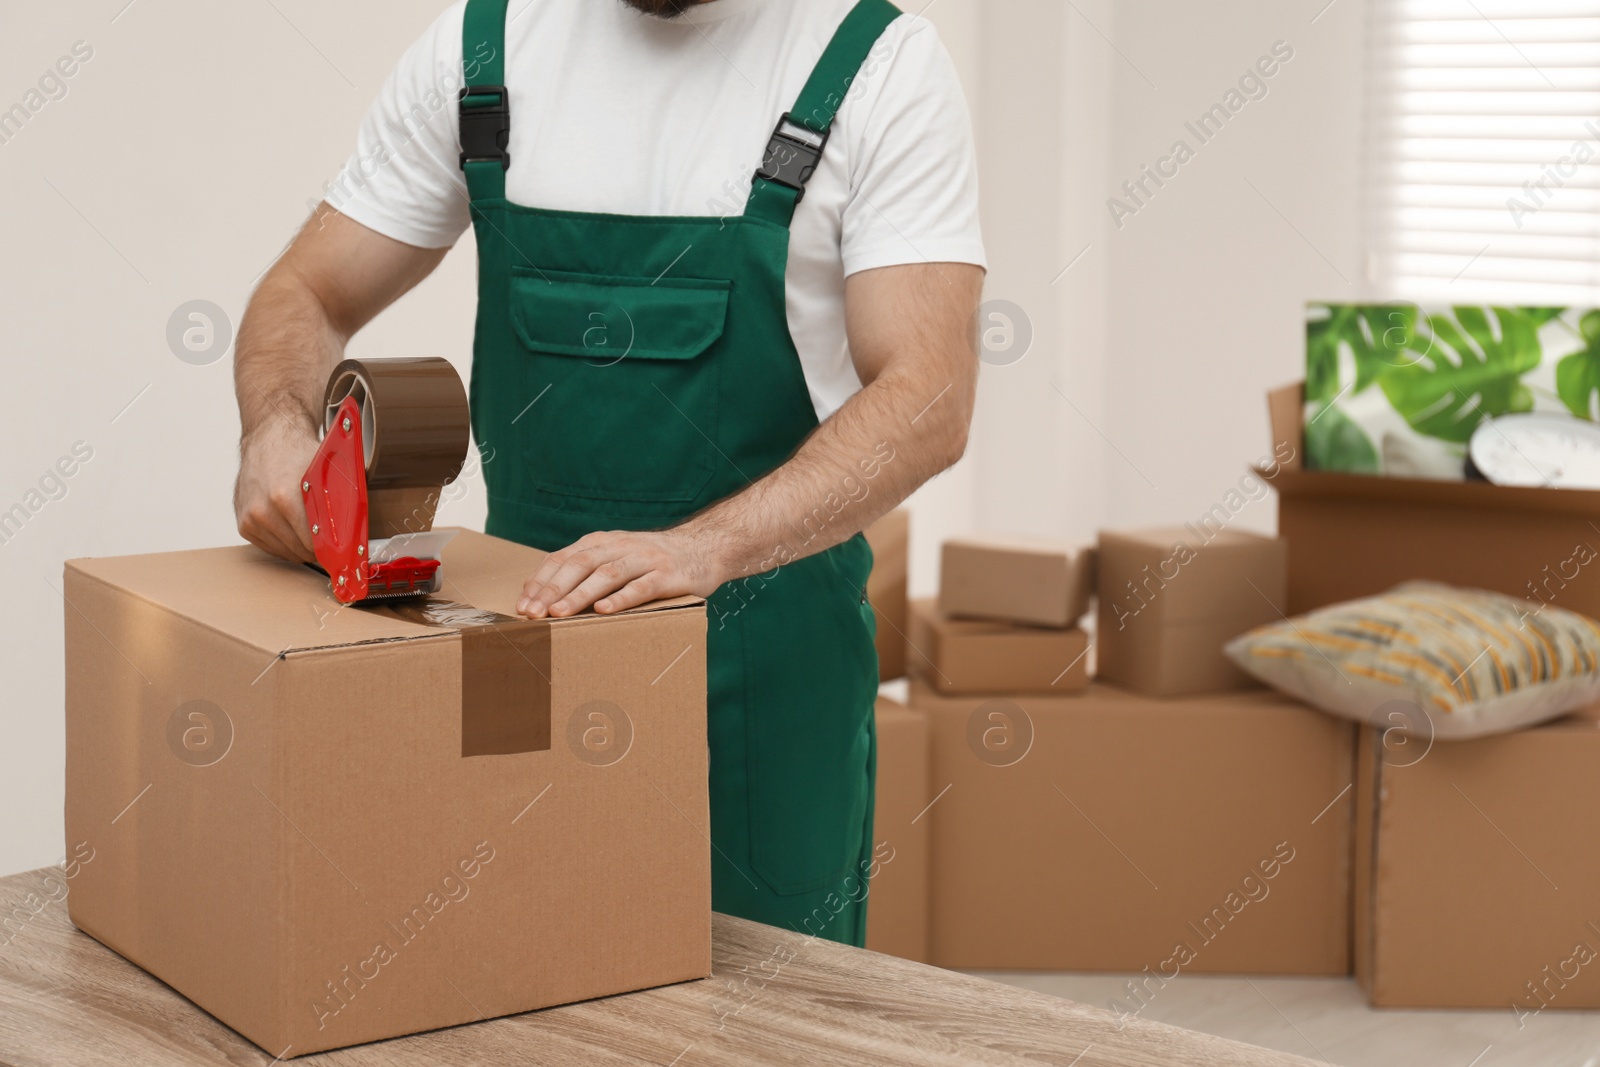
[{"x": 615, "y": 111}]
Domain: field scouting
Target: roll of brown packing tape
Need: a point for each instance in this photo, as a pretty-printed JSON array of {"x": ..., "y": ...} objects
[{"x": 415, "y": 425}]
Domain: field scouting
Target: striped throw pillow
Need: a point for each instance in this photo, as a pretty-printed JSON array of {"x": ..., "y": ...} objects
[{"x": 1432, "y": 659}]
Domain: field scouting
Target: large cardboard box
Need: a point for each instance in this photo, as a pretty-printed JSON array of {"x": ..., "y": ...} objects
[
  {"x": 973, "y": 656},
  {"x": 1477, "y": 879},
  {"x": 1014, "y": 578},
  {"x": 1114, "y": 832},
  {"x": 330, "y": 825},
  {"x": 1353, "y": 535},
  {"x": 887, "y": 589},
  {"x": 1170, "y": 598},
  {"x": 897, "y": 902}
]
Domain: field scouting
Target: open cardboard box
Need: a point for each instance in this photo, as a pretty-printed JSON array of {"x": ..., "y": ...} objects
[
  {"x": 1355, "y": 535},
  {"x": 327, "y": 825}
]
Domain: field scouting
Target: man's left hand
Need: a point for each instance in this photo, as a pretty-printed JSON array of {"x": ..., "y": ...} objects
[{"x": 616, "y": 570}]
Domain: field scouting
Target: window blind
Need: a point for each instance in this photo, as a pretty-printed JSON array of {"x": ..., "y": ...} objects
[{"x": 1483, "y": 154}]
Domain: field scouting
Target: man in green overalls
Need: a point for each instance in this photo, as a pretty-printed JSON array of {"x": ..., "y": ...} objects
[{"x": 685, "y": 379}]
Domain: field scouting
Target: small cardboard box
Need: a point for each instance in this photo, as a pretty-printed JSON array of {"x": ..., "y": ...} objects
[
  {"x": 887, "y": 586},
  {"x": 327, "y": 825},
  {"x": 1114, "y": 832},
  {"x": 1015, "y": 579},
  {"x": 971, "y": 656},
  {"x": 1170, "y": 598},
  {"x": 1354, "y": 535},
  {"x": 897, "y": 908},
  {"x": 1476, "y": 873}
]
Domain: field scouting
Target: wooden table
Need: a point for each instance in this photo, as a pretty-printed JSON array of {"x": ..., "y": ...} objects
[{"x": 777, "y": 998}]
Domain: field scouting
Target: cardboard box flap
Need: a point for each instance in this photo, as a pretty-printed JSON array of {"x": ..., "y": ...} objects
[
  {"x": 488, "y": 573},
  {"x": 279, "y": 607},
  {"x": 1337, "y": 485},
  {"x": 1286, "y": 409}
]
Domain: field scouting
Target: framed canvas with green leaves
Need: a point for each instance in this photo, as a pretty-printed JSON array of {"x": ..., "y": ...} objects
[{"x": 1398, "y": 389}]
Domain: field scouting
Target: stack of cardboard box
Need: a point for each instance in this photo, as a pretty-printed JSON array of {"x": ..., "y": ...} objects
[
  {"x": 1168, "y": 817},
  {"x": 1178, "y": 819},
  {"x": 1006, "y": 620},
  {"x": 1474, "y": 885}
]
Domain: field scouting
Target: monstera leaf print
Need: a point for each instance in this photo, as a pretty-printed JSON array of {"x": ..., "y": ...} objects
[
  {"x": 1578, "y": 375},
  {"x": 1540, "y": 316},
  {"x": 1334, "y": 442},
  {"x": 1378, "y": 336},
  {"x": 1471, "y": 370}
]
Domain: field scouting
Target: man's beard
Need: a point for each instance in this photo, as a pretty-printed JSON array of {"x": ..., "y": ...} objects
[{"x": 661, "y": 9}]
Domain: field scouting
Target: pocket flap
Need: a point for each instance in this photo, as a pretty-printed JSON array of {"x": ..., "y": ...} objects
[{"x": 607, "y": 318}]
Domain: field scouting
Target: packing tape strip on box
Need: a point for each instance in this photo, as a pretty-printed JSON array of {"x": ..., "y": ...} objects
[{"x": 505, "y": 673}]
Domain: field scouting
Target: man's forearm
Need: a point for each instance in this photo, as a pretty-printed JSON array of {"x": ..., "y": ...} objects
[
  {"x": 887, "y": 440},
  {"x": 287, "y": 347},
  {"x": 906, "y": 425},
  {"x": 335, "y": 277}
]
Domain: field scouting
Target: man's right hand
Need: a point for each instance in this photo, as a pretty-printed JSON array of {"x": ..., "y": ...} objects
[{"x": 267, "y": 499}]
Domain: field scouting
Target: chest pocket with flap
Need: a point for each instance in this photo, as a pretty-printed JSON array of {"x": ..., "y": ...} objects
[{"x": 623, "y": 384}]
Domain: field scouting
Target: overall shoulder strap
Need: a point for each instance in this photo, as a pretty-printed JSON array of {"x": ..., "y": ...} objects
[
  {"x": 798, "y": 140},
  {"x": 484, "y": 107}
]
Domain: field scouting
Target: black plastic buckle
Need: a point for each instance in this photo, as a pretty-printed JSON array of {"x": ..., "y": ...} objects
[
  {"x": 485, "y": 128},
  {"x": 790, "y": 160}
]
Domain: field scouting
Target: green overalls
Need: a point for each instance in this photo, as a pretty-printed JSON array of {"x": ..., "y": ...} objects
[{"x": 627, "y": 372}]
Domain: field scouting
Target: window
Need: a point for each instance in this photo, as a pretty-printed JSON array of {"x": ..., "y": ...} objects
[{"x": 1483, "y": 170}]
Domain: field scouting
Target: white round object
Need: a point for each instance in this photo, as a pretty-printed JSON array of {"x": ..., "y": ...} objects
[{"x": 1558, "y": 451}]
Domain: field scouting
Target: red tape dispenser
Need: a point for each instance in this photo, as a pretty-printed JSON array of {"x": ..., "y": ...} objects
[{"x": 395, "y": 434}]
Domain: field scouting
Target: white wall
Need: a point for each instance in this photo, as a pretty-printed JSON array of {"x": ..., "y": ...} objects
[
  {"x": 1208, "y": 281},
  {"x": 176, "y": 167},
  {"x": 1038, "y": 81},
  {"x": 187, "y": 147},
  {"x": 1142, "y": 401}
]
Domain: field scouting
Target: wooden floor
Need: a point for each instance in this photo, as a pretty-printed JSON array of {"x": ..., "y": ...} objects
[{"x": 1327, "y": 1019}]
